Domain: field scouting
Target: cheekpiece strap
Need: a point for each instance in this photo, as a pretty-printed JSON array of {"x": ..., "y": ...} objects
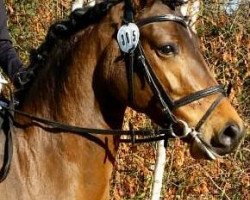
[{"x": 128, "y": 12}]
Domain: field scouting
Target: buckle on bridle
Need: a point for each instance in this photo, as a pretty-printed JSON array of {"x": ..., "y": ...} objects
[
  {"x": 182, "y": 125},
  {"x": 195, "y": 135}
]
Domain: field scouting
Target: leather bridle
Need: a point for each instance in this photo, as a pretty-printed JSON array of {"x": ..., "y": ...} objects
[{"x": 134, "y": 58}]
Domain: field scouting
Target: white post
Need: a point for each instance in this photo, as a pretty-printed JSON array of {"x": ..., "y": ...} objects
[
  {"x": 231, "y": 6},
  {"x": 83, "y": 4},
  {"x": 191, "y": 9},
  {"x": 77, "y": 4},
  {"x": 3, "y": 81},
  {"x": 159, "y": 170}
]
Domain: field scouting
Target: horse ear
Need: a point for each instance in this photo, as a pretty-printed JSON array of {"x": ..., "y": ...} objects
[
  {"x": 174, "y": 4},
  {"x": 140, "y": 4}
]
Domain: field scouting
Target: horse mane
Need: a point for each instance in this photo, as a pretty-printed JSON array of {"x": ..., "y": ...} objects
[
  {"x": 61, "y": 31},
  {"x": 55, "y": 50},
  {"x": 78, "y": 20}
]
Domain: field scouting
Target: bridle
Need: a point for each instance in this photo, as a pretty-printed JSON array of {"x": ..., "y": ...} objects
[{"x": 135, "y": 57}]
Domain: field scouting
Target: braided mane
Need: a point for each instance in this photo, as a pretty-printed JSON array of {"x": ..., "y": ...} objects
[
  {"x": 59, "y": 34},
  {"x": 78, "y": 20}
]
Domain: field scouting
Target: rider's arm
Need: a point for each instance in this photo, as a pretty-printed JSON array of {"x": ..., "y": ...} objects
[{"x": 9, "y": 60}]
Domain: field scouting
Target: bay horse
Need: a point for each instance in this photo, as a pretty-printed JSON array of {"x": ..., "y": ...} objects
[{"x": 83, "y": 79}]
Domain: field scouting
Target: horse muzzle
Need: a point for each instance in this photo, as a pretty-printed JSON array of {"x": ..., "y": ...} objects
[
  {"x": 223, "y": 143},
  {"x": 227, "y": 140}
]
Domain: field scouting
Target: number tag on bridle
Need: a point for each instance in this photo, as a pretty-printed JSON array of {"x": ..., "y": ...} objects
[{"x": 128, "y": 37}]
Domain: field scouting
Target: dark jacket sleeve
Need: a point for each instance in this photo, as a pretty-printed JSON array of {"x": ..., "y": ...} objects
[
  {"x": 4, "y": 34},
  {"x": 9, "y": 60}
]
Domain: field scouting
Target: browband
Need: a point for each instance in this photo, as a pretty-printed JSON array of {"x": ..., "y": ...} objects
[{"x": 162, "y": 18}]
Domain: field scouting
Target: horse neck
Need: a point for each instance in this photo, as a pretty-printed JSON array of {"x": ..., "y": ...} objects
[
  {"x": 69, "y": 93},
  {"x": 59, "y": 160}
]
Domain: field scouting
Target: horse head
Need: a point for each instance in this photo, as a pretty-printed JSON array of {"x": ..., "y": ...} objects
[
  {"x": 141, "y": 54},
  {"x": 170, "y": 52}
]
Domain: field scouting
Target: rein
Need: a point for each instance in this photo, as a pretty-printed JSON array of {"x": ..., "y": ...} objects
[
  {"x": 153, "y": 135},
  {"x": 134, "y": 57}
]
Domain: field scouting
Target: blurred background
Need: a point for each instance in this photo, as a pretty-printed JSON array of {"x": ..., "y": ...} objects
[{"x": 223, "y": 27}]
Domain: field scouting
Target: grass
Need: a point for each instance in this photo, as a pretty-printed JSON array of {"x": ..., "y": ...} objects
[{"x": 225, "y": 43}]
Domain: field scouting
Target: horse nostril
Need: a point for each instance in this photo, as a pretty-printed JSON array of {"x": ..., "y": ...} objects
[{"x": 229, "y": 136}]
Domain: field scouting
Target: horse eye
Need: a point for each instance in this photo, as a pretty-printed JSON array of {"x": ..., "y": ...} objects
[{"x": 168, "y": 49}]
